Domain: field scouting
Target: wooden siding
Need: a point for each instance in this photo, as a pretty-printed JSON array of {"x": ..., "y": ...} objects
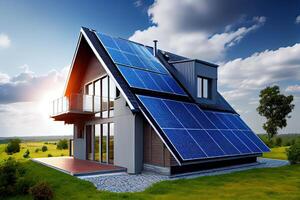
[{"x": 155, "y": 152}]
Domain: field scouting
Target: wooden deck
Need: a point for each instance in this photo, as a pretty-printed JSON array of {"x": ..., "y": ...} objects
[{"x": 76, "y": 167}]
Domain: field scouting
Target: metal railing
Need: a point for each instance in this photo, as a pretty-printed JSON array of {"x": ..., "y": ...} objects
[{"x": 75, "y": 103}]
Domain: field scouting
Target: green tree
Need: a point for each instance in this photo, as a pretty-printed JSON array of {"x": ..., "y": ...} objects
[
  {"x": 62, "y": 144},
  {"x": 13, "y": 146},
  {"x": 276, "y": 107}
]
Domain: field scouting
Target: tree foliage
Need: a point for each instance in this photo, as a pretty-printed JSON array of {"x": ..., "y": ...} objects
[
  {"x": 13, "y": 146},
  {"x": 276, "y": 107},
  {"x": 62, "y": 144}
]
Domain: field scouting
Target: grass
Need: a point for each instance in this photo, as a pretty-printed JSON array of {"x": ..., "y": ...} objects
[
  {"x": 277, "y": 153},
  {"x": 32, "y": 146},
  {"x": 269, "y": 183}
]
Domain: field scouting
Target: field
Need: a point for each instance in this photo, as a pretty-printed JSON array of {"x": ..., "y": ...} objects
[
  {"x": 277, "y": 153},
  {"x": 275, "y": 183},
  {"x": 32, "y": 146}
]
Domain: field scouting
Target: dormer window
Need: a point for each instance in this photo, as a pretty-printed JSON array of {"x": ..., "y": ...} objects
[{"x": 203, "y": 87}]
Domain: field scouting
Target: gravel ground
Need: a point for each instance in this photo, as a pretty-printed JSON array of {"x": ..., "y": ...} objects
[{"x": 123, "y": 182}]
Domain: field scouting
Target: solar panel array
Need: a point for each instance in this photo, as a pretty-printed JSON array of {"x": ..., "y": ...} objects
[
  {"x": 139, "y": 67},
  {"x": 198, "y": 134}
]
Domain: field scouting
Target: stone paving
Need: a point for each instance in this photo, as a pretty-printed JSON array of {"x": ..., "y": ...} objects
[{"x": 123, "y": 182}]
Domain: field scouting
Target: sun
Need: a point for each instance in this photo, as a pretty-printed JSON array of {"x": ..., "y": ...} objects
[{"x": 44, "y": 105}]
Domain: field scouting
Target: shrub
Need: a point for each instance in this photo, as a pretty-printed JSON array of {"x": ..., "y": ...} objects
[
  {"x": 293, "y": 141},
  {"x": 37, "y": 150},
  {"x": 26, "y": 154},
  {"x": 278, "y": 141},
  {"x": 50, "y": 155},
  {"x": 41, "y": 191},
  {"x": 62, "y": 154},
  {"x": 62, "y": 144},
  {"x": 270, "y": 143},
  {"x": 10, "y": 171},
  {"x": 44, "y": 148},
  {"x": 23, "y": 185},
  {"x": 293, "y": 153},
  {"x": 13, "y": 146},
  {"x": 46, "y": 143}
]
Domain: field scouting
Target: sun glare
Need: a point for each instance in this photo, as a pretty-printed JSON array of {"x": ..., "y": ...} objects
[{"x": 44, "y": 105}]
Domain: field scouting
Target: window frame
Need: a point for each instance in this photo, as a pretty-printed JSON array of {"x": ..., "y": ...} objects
[
  {"x": 203, "y": 87},
  {"x": 86, "y": 90}
]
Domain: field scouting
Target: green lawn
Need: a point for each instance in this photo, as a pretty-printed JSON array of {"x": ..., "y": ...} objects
[
  {"x": 277, "y": 153},
  {"x": 272, "y": 183}
]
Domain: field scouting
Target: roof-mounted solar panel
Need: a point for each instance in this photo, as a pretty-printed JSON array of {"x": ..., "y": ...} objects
[
  {"x": 139, "y": 67},
  {"x": 198, "y": 134}
]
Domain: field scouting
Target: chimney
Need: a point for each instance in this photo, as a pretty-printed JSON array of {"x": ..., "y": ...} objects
[{"x": 155, "y": 47}]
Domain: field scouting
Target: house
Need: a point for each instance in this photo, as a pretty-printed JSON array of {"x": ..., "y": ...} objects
[{"x": 142, "y": 108}]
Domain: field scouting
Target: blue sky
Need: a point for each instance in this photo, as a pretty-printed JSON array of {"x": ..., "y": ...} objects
[{"x": 254, "y": 42}]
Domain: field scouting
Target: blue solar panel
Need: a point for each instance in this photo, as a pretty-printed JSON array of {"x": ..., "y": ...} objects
[
  {"x": 225, "y": 120},
  {"x": 138, "y": 54},
  {"x": 254, "y": 138},
  {"x": 200, "y": 116},
  {"x": 224, "y": 143},
  {"x": 197, "y": 134},
  {"x": 182, "y": 114},
  {"x": 128, "y": 54},
  {"x": 184, "y": 144},
  {"x": 218, "y": 123},
  {"x": 247, "y": 141},
  {"x": 162, "y": 114},
  {"x": 150, "y": 81},
  {"x": 209, "y": 146},
  {"x": 131, "y": 77},
  {"x": 236, "y": 141}
]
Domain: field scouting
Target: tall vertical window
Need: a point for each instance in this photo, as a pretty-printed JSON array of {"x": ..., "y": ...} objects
[
  {"x": 111, "y": 143},
  {"x": 104, "y": 97},
  {"x": 203, "y": 87},
  {"x": 97, "y": 142},
  {"x": 104, "y": 137},
  {"x": 112, "y": 96}
]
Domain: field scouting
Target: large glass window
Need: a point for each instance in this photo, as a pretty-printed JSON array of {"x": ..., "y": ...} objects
[
  {"x": 104, "y": 137},
  {"x": 203, "y": 87},
  {"x": 104, "y": 97},
  {"x": 90, "y": 89},
  {"x": 112, "y": 96},
  {"x": 111, "y": 143},
  {"x": 102, "y": 94},
  {"x": 97, "y": 130},
  {"x": 97, "y": 99}
]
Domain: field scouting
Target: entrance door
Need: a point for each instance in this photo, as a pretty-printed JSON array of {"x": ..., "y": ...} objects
[{"x": 89, "y": 149}]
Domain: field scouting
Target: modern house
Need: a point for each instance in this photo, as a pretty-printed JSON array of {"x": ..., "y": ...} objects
[{"x": 142, "y": 108}]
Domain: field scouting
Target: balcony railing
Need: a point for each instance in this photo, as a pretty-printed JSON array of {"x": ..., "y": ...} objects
[{"x": 76, "y": 103}]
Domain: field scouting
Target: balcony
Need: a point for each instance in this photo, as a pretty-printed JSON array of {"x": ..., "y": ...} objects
[{"x": 74, "y": 107}]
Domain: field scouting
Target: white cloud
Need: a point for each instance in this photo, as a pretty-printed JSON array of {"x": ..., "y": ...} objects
[
  {"x": 27, "y": 119},
  {"x": 4, "y": 40},
  {"x": 293, "y": 88},
  {"x": 27, "y": 86},
  {"x": 297, "y": 21},
  {"x": 194, "y": 29},
  {"x": 24, "y": 103},
  {"x": 259, "y": 70}
]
